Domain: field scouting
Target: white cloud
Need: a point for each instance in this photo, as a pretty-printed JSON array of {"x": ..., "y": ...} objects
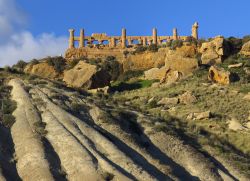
[
  {"x": 26, "y": 47},
  {"x": 16, "y": 43}
]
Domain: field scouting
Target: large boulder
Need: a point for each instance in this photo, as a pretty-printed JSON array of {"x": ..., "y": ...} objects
[
  {"x": 221, "y": 76},
  {"x": 165, "y": 75},
  {"x": 88, "y": 76},
  {"x": 155, "y": 73},
  {"x": 245, "y": 50},
  {"x": 213, "y": 52},
  {"x": 182, "y": 62},
  {"x": 42, "y": 69}
]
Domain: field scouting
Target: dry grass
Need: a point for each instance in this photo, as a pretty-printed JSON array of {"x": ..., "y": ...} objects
[{"x": 224, "y": 102}]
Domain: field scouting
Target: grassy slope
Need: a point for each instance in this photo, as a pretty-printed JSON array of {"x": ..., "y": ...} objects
[{"x": 224, "y": 102}]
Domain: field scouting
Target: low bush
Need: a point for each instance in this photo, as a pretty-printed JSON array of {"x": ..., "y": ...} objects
[
  {"x": 58, "y": 63},
  {"x": 140, "y": 49},
  {"x": 152, "y": 48},
  {"x": 20, "y": 65},
  {"x": 130, "y": 74},
  {"x": 176, "y": 43}
]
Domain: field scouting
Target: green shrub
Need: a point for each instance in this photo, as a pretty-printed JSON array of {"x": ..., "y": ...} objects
[
  {"x": 8, "y": 120},
  {"x": 34, "y": 62},
  {"x": 8, "y": 106},
  {"x": 114, "y": 68},
  {"x": 110, "y": 58},
  {"x": 20, "y": 65},
  {"x": 140, "y": 49},
  {"x": 130, "y": 74},
  {"x": 58, "y": 63},
  {"x": 73, "y": 63},
  {"x": 246, "y": 39},
  {"x": 176, "y": 43},
  {"x": 233, "y": 45},
  {"x": 125, "y": 53},
  {"x": 153, "y": 48}
]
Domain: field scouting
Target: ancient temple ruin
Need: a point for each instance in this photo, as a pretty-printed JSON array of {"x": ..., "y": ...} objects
[
  {"x": 100, "y": 44},
  {"x": 124, "y": 41}
]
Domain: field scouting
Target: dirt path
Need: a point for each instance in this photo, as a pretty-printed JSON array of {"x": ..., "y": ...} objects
[{"x": 93, "y": 145}]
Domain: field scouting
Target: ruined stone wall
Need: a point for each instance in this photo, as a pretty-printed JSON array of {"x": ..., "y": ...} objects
[{"x": 101, "y": 45}]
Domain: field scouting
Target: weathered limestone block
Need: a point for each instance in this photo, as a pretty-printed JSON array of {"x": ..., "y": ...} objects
[
  {"x": 187, "y": 98},
  {"x": 155, "y": 73},
  {"x": 144, "y": 61},
  {"x": 42, "y": 69},
  {"x": 235, "y": 65},
  {"x": 199, "y": 116},
  {"x": 168, "y": 101},
  {"x": 214, "y": 51},
  {"x": 181, "y": 62},
  {"x": 163, "y": 74},
  {"x": 245, "y": 50},
  {"x": 85, "y": 75},
  {"x": 219, "y": 75}
]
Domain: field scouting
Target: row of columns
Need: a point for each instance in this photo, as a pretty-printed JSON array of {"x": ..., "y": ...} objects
[{"x": 124, "y": 39}]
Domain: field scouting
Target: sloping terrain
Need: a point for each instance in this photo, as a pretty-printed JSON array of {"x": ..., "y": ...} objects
[{"x": 62, "y": 134}]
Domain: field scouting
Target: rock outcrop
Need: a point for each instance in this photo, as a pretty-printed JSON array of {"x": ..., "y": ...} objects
[
  {"x": 219, "y": 75},
  {"x": 214, "y": 51},
  {"x": 42, "y": 69},
  {"x": 145, "y": 60},
  {"x": 181, "y": 62},
  {"x": 245, "y": 50},
  {"x": 85, "y": 75}
]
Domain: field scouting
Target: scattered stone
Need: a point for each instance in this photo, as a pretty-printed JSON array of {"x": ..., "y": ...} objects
[
  {"x": 213, "y": 51},
  {"x": 247, "y": 97},
  {"x": 199, "y": 116},
  {"x": 156, "y": 85},
  {"x": 127, "y": 103},
  {"x": 247, "y": 70},
  {"x": 219, "y": 75},
  {"x": 171, "y": 77},
  {"x": 88, "y": 76},
  {"x": 187, "y": 98},
  {"x": 235, "y": 65},
  {"x": 104, "y": 90},
  {"x": 235, "y": 125},
  {"x": 151, "y": 100},
  {"x": 248, "y": 124},
  {"x": 168, "y": 101}
]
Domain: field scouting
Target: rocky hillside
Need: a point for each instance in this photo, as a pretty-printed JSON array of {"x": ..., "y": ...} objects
[{"x": 178, "y": 121}]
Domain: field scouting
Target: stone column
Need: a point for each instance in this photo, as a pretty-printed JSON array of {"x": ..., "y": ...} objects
[
  {"x": 71, "y": 38},
  {"x": 175, "y": 34},
  {"x": 123, "y": 38},
  {"x": 129, "y": 41},
  {"x": 155, "y": 36},
  {"x": 139, "y": 41},
  {"x": 144, "y": 41},
  {"x": 82, "y": 38},
  {"x": 195, "y": 30},
  {"x": 112, "y": 42}
]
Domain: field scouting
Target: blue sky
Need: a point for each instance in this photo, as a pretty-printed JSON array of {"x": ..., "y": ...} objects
[
  {"x": 216, "y": 17},
  {"x": 38, "y": 28}
]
